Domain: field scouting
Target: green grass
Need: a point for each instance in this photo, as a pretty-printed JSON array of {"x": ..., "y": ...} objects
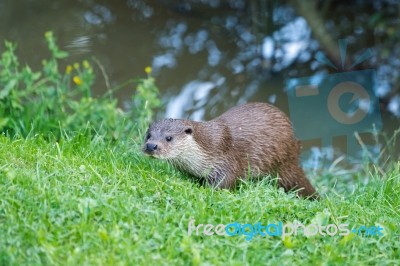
[{"x": 86, "y": 202}]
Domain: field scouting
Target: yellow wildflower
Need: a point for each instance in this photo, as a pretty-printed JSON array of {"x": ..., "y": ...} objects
[
  {"x": 68, "y": 70},
  {"x": 77, "y": 80},
  {"x": 85, "y": 64},
  {"x": 76, "y": 65},
  {"x": 48, "y": 34},
  {"x": 148, "y": 70}
]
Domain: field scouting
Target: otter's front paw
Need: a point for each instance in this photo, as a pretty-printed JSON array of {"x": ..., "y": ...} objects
[{"x": 219, "y": 180}]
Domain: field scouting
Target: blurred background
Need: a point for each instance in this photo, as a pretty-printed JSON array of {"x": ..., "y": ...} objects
[{"x": 209, "y": 55}]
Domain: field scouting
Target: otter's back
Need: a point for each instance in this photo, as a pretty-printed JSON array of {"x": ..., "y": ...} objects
[{"x": 262, "y": 133}]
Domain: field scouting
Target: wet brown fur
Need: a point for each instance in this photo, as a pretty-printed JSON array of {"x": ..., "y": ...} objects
[{"x": 221, "y": 150}]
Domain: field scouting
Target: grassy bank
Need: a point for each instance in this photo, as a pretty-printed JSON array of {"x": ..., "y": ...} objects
[
  {"x": 82, "y": 201},
  {"x": 76, "y": 190}
]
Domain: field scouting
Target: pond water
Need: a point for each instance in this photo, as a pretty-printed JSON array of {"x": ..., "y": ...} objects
[{"x": 206, "y": 55}]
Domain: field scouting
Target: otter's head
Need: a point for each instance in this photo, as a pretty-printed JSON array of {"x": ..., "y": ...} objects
[{"x": 169, "y": 139}]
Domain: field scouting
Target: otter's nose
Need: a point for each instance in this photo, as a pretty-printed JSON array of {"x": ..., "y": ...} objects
[{"x": 151, "y": 147}]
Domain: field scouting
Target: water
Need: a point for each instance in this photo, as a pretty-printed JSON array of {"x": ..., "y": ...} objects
[{"x": 206, "y": 55}]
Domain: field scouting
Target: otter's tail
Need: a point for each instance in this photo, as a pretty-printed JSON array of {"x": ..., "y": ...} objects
[{"x": 292, "y": 177}]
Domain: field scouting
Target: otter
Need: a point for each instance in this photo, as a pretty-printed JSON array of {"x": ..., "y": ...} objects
[{"x": 255, "y": 139}]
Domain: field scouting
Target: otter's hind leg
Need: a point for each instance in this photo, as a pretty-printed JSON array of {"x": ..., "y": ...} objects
[{"x": 292, "y": 177}]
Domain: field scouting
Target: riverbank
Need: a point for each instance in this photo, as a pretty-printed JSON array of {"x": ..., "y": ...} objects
[{"x": 83, "y": 201}]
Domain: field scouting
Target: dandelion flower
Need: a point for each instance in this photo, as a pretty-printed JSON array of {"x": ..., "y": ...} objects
[
  {"x": 148, "y": 70},
  {"x": 68, "y": 70},
  {"x": 77, "y": 80},
  {"x": 76, "y": 65},
  {"x": 48, "y": 34},
  {"x": 85, "y": 64}
]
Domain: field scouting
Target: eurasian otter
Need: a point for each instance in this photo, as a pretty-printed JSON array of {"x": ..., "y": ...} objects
[{"x": 254, "y": 139}]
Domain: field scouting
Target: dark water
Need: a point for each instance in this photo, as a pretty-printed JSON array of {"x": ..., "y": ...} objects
[{"x": 206, "y": 55}]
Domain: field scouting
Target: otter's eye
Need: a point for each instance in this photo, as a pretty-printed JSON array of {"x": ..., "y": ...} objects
[
  {"x": 148, "y": 136},
  {"x": 169, "y": 138}
]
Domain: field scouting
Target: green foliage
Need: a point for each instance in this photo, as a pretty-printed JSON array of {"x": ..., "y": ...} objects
[
  {"x": 50, "y": 102},
  {"x": 145, "y": 101},
  {"x": 80, "y": 203}
]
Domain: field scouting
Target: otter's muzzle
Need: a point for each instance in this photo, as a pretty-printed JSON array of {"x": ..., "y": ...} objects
[{"x": 150, "y": 147}]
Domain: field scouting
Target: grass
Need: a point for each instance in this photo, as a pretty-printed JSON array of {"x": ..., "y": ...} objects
[
  {"x": 82, "y": 201},
  {"x": 92, "y": 198}
]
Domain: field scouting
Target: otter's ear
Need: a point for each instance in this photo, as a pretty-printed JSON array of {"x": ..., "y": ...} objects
[{"x": 188, "y": 130}]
